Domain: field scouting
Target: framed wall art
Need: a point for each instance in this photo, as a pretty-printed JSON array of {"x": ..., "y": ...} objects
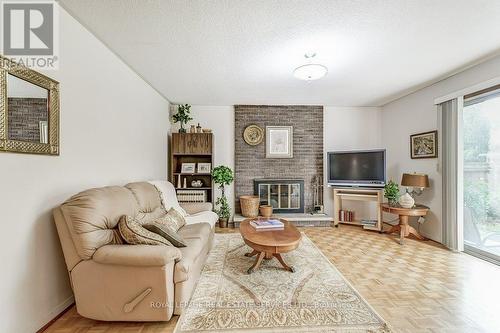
[
  {"x": 279, "y": 141},
  {"x": 424, "y": 145},
  {"x": 188, "y": 167},
  {"x": 204, "y": 167}
]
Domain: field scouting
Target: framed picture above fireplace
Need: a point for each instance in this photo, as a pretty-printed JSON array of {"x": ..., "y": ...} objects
[{"x": 279, "y": 141}]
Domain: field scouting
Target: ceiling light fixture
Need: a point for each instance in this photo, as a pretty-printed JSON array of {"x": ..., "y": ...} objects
[{"x": 310, "y": 71}]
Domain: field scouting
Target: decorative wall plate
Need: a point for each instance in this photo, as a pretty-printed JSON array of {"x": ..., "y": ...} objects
[{"x": 253, "y": 135}]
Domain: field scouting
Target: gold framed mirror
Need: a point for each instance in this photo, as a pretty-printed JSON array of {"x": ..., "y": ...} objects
[{"x": 29, "y": 110}]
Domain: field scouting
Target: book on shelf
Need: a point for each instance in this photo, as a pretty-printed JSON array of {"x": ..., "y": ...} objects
[
  {"x": 184, "y": 195},
  {"x": 346, "y": 216},
  {"x": 272, "y": 224}
]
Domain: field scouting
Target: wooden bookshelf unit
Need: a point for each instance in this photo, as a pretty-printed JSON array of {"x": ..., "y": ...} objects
[
  {"x": 192, "y": 148},
  {"x": 358, "y": 194}
]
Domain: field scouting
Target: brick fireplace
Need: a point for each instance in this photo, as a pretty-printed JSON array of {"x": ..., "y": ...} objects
[{"x": 307, "y": 162}]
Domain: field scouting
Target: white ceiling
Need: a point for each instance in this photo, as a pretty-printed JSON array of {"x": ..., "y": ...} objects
[{"x": 228, "y": 52}]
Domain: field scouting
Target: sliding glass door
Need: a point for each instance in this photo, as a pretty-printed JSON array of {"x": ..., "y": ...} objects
[{"x": 481, "y": 174}]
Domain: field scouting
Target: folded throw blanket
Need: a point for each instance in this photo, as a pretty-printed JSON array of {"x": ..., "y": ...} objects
[{"x": 168, "y": 195}]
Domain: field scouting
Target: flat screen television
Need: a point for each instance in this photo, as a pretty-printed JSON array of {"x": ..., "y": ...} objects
[{"x": 357, "y": 168}]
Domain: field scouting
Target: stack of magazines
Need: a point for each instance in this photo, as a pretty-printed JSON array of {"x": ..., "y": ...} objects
[
  {"x": 269, "y": 224},
  {"x": 369, "y": 223}
]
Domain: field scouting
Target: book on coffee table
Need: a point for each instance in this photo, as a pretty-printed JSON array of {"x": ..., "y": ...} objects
[{"x": 270, "y": 224}]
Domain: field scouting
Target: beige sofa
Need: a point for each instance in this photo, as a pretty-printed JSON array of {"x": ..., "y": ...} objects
[{"x": 118, "y": 282}]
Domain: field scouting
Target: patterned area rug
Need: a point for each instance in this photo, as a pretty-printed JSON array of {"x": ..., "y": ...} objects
[{"x": 316, "y": 298}]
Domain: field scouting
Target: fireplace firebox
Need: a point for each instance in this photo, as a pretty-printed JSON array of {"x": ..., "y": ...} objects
[{"x": 285, "y": 195}]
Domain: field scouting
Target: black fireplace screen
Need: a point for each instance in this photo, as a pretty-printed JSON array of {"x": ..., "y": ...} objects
[{"x": 285, "y": 195}]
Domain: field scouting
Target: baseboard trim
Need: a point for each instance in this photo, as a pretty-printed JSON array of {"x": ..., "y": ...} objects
[{"x": 58, "y": 311}]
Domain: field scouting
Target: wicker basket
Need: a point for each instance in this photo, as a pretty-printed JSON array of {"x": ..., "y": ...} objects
[
  {"x": 249, "y": 205},
  {"x": 266, "y": 210}
]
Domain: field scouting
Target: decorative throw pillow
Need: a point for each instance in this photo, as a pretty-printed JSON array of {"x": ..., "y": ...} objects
[
  {"x": 173, "y": 219},
  {"x": 166, "y": 232},
  {"x": 134, "y": 233}
]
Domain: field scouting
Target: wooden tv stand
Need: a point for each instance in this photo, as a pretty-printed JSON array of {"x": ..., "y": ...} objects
[{"x": 359, "y": 194}]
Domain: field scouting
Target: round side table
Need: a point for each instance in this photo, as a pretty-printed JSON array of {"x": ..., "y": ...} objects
[{"x": 403, "y": 228}]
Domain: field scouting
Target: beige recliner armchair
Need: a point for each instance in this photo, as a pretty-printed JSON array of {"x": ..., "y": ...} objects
[{"x": 119, "y": 282}]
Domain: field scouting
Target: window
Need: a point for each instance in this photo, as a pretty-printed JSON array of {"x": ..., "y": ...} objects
[{"x": 481, "y": 173}]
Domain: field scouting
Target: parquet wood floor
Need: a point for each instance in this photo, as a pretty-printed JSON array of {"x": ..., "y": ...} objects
[{"x": 417, "y": 287}]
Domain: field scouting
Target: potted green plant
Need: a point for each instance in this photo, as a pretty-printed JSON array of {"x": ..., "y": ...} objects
[
  {"x": 222, "y": 176},
  {"x": 391, "y": 192},
  {"x": 183, "y": 116}
]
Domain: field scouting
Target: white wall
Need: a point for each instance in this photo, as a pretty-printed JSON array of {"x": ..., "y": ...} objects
[
  {"x": 113, "y": 130},
  {"x": 416, "y": 113},
  {"x": 347, "y": 128},
  {"x": 221, "y": 120}
]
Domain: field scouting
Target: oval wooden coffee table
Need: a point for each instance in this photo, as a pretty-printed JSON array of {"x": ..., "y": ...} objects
[{"x": 267, "y": 244}]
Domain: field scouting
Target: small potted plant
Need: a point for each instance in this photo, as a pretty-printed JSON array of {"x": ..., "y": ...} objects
[
  {"x": 391, "y": 192},
  {"x": 222, "y": 176},
  {"x": 183, "y": 116}
]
